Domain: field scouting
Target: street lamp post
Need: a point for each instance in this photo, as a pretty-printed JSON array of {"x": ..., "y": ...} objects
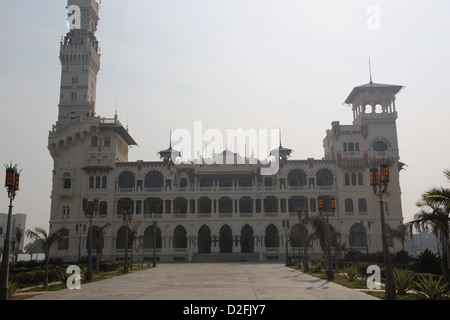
[
  {"x": 12, "y": 185},
  {"x": 155, "y": 225},
  {"x": 286, "y": 228},
  {"x": 80, "y": 229},
  {"x": 330, "y": 272},
  {"x": 379, "y": 180},
  {"x": 127, "y": 217},
  {"x": 90, "y": 212}
]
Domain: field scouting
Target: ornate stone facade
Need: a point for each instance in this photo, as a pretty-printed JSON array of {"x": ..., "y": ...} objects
[{"x": 212, "y": 212}]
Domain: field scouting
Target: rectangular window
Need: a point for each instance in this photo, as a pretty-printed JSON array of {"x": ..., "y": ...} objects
[
  {"x": 67, "y": 183},
  {"x": 357, "y": 146},
  {"x": 345, "y": 147},
  {"x": 351, "y": 146}
]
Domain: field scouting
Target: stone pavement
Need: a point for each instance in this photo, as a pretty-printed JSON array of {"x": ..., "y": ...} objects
[{"x": 211, "y": 281}]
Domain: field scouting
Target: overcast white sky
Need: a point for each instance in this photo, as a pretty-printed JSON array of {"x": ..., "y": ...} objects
[{"x": 259, "y": 64}]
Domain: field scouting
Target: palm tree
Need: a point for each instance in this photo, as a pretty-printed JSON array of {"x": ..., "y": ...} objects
[
  {"x": 319, "y": 225},
  {"x": 33, "y": 248},
  {"x": 400, "y": 234},
  {"x": 18, "y": 236},
  {"x": 133, "y": 237},
  {"x": 46, "y": 241},
  {"x": 140, "y": 248},
  {"x": 99, "y": 234},
  {"x": 434, "y": 214}
]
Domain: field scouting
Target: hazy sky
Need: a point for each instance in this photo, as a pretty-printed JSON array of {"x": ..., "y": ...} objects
[{"x": 259, "y": 64}]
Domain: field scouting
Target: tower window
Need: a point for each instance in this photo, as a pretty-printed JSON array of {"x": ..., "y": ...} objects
[
  {"x": 349, "y": 206},
  {"x": 74, "y": 96},
  {"x": 380, "y": 146},
  {"x": 351, "y": 146},
  {"x": 67, "y": 181}
]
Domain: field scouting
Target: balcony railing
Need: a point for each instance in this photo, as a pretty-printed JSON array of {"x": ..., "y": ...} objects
[{"x": 288, "y": 189}]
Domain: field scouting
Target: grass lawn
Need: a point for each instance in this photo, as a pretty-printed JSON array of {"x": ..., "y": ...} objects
[
  {"x": 25, "y": 293},
  {"x": 358, "y": 284}
]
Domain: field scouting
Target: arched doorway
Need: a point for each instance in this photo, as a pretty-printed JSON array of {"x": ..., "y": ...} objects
[
  {"x": 179, "y": 238},
  {"x": 120, "y": 240},
  {"x": 247, "y": 240},
  {"x": 271, "y": 240},
  {"x": 204, "y": 240},
  {"x": 357, "y": 236},
  {"x": 150, "y": 237},
  {"x": 225, "y": 239}
]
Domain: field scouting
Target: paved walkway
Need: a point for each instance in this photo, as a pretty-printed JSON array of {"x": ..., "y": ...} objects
[{"x": 211, "y": 281}]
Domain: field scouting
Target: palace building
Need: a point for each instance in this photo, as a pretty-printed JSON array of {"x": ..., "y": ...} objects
[{"x": 222, "y": 212}]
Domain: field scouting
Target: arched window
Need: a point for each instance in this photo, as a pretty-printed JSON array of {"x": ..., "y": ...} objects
[
  {"x": 349, "y": 206},
  {"x": 154, "y": 179},
  {"x": 225, "y": 205},
  {"x": 183, "y": 183},
  {"x": 126, "y": 180},
  {"x": 357, "y": 236},
  {"x": 67, "y": 181},
  {"x": 380, "y": 146},
  {"x": 65, "y": 212},
  {"x": 324, "y": 177},
  {"x": 297, "y": 178},
  {"x": 245, "y": 205},
  {"x": 64, "y": 243},
  {"x": 362, "y": 206}
]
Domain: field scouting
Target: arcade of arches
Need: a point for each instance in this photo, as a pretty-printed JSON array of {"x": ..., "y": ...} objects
[{"x": 246, "y": 241}]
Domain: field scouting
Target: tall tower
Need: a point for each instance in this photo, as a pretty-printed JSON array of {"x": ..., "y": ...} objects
[
  {"x": 80, "y": 61},
  {"x": 370, "y": 140},
  {"x": 84, "y": 146},
  {"x": 373, "y": 107}
]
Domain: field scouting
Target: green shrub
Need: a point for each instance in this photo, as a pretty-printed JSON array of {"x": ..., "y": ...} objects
[
  {"x": 431, "y": 289},
  {"x": 316, "y": 267},
  {"x": 13, "y": 288},
  {"x": 404, "y": 280},
  {"x": 401, "y": 257},
  {"x": 351, "y": 272},
  {"x": 428, "y": 262}
]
